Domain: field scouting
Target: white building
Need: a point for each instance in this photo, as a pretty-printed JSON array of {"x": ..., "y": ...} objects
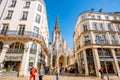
[
  {"x": 60, "y": 53},
  {"x": 23, "y": 34},
  {"x": 97, "y": 39}
]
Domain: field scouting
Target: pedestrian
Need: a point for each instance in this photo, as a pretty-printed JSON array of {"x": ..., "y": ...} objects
[
  {"x": 33, "y": 72},
  {"x": 101, "y": 72},
  {"x": 57, "y": 73},
  {"x": 41, "y": 72}
]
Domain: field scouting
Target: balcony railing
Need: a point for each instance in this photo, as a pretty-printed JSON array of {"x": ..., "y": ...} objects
[
  {"x": 15, "y": 51},
  {"x": 117, "y": 54},
  {"x": 104, "y": 53},
  {"x": 33, "y": 51},
  {"x": 26, "y": 33},
  {"x": 87, "y": 42},
  {"x": 114, "y": 42},
  {"x": 103, "y": 42}
]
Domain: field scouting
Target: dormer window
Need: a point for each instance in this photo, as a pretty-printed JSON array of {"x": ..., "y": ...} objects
[
  {"x": 99, "y": 17},
  {"x": 106, "y": 18},
  {"x": 93, "y": 17}
]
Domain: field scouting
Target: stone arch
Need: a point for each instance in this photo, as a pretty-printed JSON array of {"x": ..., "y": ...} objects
[
  {"x": 16, "y": 47},
  {"x": 68, "y": 60},
  {"x": 54, "y": 61},
  {"x": 61, "y": 61},
  {"x": 33, "y": 48}
]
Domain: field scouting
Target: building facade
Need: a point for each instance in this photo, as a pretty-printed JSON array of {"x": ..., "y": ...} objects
[
  {"x": 23, "y": 35},
  {"x": 97, "y": 41},
  {"x": 60, "y": 53}
]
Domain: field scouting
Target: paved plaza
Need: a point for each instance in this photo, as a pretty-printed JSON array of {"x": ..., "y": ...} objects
[{"x": 47, "y": 77}]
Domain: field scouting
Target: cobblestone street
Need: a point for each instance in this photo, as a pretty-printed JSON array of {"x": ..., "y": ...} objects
[{"x": 46, "y": 77}]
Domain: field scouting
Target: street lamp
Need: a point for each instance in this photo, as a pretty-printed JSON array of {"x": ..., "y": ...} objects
[{"x": 103, "y": 53}]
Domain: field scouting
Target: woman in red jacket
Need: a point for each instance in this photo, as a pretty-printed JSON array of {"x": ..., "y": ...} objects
[{"x": 33, "y": 73}]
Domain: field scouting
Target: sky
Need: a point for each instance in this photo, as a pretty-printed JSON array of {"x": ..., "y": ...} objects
[{"x": 69, "y": 10}]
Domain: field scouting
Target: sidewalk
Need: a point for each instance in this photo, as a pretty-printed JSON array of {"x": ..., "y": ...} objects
[{"x": 47, "y": 77}]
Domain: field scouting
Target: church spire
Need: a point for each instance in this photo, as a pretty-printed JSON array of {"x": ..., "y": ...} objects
[{"x": 57, "y": 24}]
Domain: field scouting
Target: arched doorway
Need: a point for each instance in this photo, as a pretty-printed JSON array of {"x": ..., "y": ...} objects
[
  {"x": 68, "y": 60},
  {"x": 54, "y": 61},
  {"x": 61, "y": 61}
]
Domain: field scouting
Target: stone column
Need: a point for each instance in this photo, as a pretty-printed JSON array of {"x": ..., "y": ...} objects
[
  {"x": 3, "y": 53},
  {"x": 46, "y": 60},
  {"x": 25, "y": 60},
  {"x": 65, "y": 60},
  {"x": 36, "y": 56},
  {"x": 51, "y": 58},
  {"x": 57, "y": 61},
  {"x": 108, "y": 37},
  {"x": 92, "y": 37},
  {"x": 116, "y": 62},
  {"x": 86, "y": 64},
  {"x": 96, "y": 61}
]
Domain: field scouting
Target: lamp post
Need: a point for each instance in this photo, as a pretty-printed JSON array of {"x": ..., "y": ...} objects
[{"x": 103, "y": 53}]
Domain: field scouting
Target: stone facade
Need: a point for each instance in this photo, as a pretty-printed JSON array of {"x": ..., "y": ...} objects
[
  {"x": 23, "y": 35},
  {"x": 60, "y": 53},
  {"x": 97, "y": 42}
]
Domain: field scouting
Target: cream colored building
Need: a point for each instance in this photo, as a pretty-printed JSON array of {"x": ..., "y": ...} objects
[
  {"x": 23, "y": 35},
  {"x": 60, "y": 53},
  {"x": 97, "y": 39}
]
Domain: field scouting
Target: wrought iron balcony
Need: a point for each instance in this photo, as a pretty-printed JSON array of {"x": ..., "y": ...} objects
[
  {"x": 25, "y": 33},
  {"x": 103, "y": 42},
  {"x": 33, "y": 51},
  {"x": 87, "y": 42},
  {"x": 104, "y": 54},
  {"x": 114, "y": 42},
  {"x": 117, "y": 54},
  {"x": 15, "y": 51}
]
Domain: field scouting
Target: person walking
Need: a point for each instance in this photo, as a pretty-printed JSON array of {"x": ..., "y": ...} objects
[
  {"x": 41, "y": 72},
  {"x": 33, "y": 72},
  {"x": 57, "y": 73},
  {"x": 101, "y": 72}
]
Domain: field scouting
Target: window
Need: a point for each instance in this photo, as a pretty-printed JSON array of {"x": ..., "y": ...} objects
[
  {"x": 93, "y": 17},
  {"x": 106, "y": 17},
  {"x": 85, "y": 28},
  {"x": 13, "y": 3},
  {"x": 9, "y": 15},
  {"x": 37, "y": 19},
  {"x": 115, "y": 18},
  {"x": 98, "y": 17},
  {"x": 113, "y": 38},
  {"x": 97, "y": 38},
  {"x": 4, "y": 29},
  {"x": 117, "y": 27},
  {"x": 95, "y": 26},
  {"x": 27, "y": 5},
  {"x": 83, "y": 17},
  {"x": 101, "y": 26},
  {"x": 104, "y": 38},
  {"x": 110, "y": 27},
  {"x": 86, "y": 38},
  {"x": 0, "y": 1},
  {"x": 35, "y": 31},
  {"x": 21, "y": 29},
  {"x": 24, "y": 15},
  {"x": 39, "y": 8}
]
